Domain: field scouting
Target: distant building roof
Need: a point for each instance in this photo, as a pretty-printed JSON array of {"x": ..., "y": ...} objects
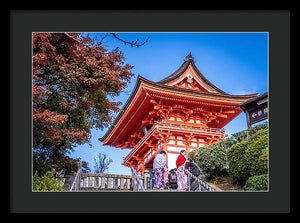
[{"x": 253, "y": 101}]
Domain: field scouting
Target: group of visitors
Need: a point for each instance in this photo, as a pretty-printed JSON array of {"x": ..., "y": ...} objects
[{"x": 177, "y": 178}]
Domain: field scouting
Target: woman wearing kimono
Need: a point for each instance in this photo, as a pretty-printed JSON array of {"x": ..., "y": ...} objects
[
  {"x": 160, "y": 167},
  {"x": 181, "y": 176}
]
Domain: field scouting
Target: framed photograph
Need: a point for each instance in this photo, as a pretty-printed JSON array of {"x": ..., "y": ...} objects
[{"x": 153, "y": 112}]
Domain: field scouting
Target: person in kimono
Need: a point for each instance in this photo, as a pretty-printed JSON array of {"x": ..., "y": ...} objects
[
  {"x": 181, "y": 175},
  {"x": 160, "y": 167},
  {"x": 192, "y": 167}
]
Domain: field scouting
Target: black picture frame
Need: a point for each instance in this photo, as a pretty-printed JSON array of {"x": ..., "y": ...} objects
[{"x": 24, "y": 22}]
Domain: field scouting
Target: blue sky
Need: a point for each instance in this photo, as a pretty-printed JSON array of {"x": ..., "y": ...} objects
[{"x": 237, "y": 63}]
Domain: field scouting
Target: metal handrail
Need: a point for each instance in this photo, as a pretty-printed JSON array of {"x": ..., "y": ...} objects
[
  {"x": 135, "y": 176},
  {"x": 201, "y": 182},
  {"x": 76, "y": 181}
]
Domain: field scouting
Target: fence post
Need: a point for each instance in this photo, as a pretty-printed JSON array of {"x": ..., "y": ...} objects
[
  {"x": 84, "y": 181},
  {"x": 96, "y": 181},
  {"x": 90, "y": 181},
  {"x": 115, "y": 183},
  {"x": 109, "y": 183},
  {"x": 146, "y": 180},
  {"x": 128, "y": 183},
  {"x": 122, "y": 183}
]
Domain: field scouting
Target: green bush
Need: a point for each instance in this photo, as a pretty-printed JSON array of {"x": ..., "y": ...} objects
[
  {"x": 242, "y": 135},
  {"x": 257, "y": 144},
  {"x": 253, "y": 130},
  {"x": 194, "y": 154},
  {"x": 212, "y": 160},
  {"x": 238, "y": 168},
  {"x": 249, "y": 157},
  {"x": 257, "y": 183},
  {"x": 263, "y": 159},
  {"x": 46, "y": 183},
  {"x": 241, "y": 156}
]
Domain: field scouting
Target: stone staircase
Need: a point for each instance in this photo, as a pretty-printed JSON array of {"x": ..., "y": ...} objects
[
  {"x": 99, "y": 182},
  {"x": 95, "y": 182}
]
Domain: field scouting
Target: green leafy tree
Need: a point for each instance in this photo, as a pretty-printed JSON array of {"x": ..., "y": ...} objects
[
  {"x": 238, "y": 168},
  {"x": 227, "y": 143},
  {"x": 263, "y": 160},
  {"x": 240, "y": 136},
  {"x": 257, "y": 144},
  {"x": 211, "y": 159},
  {"x": 246, "y": 154},
  {"x": 85, "y": 167},
  {"x": 194, "y": 155},
  {"x": 253, "y": 130},
  {"x": 46, "y": 183},
  {"x": 249, "y": 157}
]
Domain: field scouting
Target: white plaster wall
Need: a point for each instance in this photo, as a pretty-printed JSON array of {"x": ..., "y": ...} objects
[
  {"x": 180, "y": 143},
  {"x": 193, "y": 144},
  {"x": 179, "y": 119},
  {"x": 171, "y": 142},
  {"x": 174, "y": 148},
  {"x": 172, "y": 157}
]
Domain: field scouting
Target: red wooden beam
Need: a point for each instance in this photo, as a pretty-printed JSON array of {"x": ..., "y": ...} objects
[
  {"x": 229, "y": 112},
  {"x": 221, "y": 115},
  {"x": 153, "y": 101}
]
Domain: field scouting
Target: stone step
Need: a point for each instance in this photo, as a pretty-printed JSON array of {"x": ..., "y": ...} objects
[
  {"x": 101, "y": 189},
  {"x": 91, "y": 189}
]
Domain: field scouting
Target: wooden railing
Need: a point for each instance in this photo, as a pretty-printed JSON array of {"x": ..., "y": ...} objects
[
  {"x": 205, "y": 129},
  {"x": 174, "y": 127},
  {"x": 100, "y": 181}
]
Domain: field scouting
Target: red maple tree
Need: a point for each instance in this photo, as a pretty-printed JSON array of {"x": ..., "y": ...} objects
[{"x": 73, "y": 79}]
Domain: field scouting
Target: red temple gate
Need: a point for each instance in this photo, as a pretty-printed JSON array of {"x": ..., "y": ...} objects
[{"x": 182, "y": 111}]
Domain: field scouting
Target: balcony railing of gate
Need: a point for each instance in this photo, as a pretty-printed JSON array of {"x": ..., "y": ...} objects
[
  {"x": 194, "y": 128},
  {"x": 174, "y": 126}
]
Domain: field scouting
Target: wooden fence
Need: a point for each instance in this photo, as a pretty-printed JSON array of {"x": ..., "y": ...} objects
[{"x": 99, "y": 181}]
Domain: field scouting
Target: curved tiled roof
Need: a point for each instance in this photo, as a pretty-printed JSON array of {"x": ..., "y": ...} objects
[
  {"x": 187, "y": 61},
  {"x": 162, "y": 83},
  {"x": 141, "y": 79}
]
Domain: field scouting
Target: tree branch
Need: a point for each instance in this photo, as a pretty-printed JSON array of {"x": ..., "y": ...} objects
[{"x": 132, "y": 43}]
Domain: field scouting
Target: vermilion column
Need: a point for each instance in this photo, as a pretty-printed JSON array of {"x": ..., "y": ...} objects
[
  {"x": 165, "y": 149},
  {"x": 187, "y": 144}
]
